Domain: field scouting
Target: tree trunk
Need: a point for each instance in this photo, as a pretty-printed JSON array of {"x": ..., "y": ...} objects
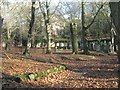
[
  {"x": 48, "y": 33},
  {"x": 74, "y": 40},
  {"x": 1, "y": 22},
  {"x": 115, "y": 14},
  {"x": 85, "y": 48},
  {"x": 32, "y": 42},
  {"x": 29, "y": 38},
  {"x": 24, "y": 44},
  {"x": 113, "y": 41},
  {"x": 48, "y": 48},
  {"x": 84, "y": 28},
  {"x": 46, "y": 15},
  {"x": 8, "y": 43}
]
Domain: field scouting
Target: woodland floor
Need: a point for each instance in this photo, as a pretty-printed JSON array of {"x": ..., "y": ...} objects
[{"x": 97, "y": 70}]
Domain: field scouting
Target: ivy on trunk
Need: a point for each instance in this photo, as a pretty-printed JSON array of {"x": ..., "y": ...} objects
[{"x": 74, "y": 39}]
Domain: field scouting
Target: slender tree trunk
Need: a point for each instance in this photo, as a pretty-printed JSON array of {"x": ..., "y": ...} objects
[
  {"x": 32, "y": 42},
  {"x": 113, "y": 41},
  {"x": 8, "y": 43},
  {"x": 48, "y": 48},
  {"x": 85, "y": 48},
  {"x": 29, "y": 38},
  {"x": 48, "y": 33},
  {"x": 74, "y": 39},
  {"x": 46, "y": 15},
  {"x": 1, "y": 22}
]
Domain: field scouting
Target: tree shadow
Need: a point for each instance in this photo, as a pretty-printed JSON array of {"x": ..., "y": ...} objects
[
  {"x": 6, "y": 80},
  {"x": 9, "y": 84},
  {"x": 101, "y": 72},
  {"x": 107, "y": 70}
]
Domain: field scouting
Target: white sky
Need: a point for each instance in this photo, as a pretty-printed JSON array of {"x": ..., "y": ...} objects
[
  {"x": 19, "y": 1},
  {"x": 56, "y": 1}
]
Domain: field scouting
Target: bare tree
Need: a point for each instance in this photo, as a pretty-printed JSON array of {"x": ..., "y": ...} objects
[
  {"x": 30, "y": 27},
  {"x": 47, "y": 15},
  {"x": 70, "y": 12},
  {"x": 84, "y": 28}
]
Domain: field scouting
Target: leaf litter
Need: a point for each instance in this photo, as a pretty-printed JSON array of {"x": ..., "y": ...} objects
[{"x": 97, "y": 72}]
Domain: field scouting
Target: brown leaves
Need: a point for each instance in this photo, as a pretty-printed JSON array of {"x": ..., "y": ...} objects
[{"x": 90, "y": 72}]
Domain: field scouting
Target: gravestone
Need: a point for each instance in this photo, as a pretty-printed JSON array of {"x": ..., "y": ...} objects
[
  {"x": 97, "y": 47},
  {"x": 101, "y": 46}
]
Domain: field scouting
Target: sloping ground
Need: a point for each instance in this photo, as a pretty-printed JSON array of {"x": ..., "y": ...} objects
[{"x": 83, "y": 71}]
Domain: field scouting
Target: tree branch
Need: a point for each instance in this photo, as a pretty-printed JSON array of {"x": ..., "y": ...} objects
[
  {"x": 41, "y": 9},
  {"x": 94, "y": 17},
  {"x": 55, "y": 9}
]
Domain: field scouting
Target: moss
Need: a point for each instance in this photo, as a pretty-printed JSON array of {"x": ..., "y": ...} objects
[
  {"x": 64, "y": 57},
  {"x": 35, "y": 76}
]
